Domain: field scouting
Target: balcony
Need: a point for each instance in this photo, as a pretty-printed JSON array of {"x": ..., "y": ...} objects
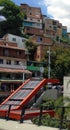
[
  {"x": 34, "y": 31},
  {"x": 14, "y": 79},
  {"x": 33, "y": 19},
  {"x": 32, "y": 24},
  {"x": 12, "y": 66}
]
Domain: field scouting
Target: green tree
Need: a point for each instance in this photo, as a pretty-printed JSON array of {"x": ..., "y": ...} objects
[
  {"x": 47, "y": 120},
  {"x": 14, "y": 17},
  {"x": 60, "y": 61},
  {"x": 31, "y": 49}
]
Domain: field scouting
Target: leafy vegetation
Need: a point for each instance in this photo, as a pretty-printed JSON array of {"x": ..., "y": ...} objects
[
  {"x": 47, "y": 120},
  {"x": 31, "y": 49},
  {"x": 14, "y": 18},
  {"x": 60, "y": 61}
]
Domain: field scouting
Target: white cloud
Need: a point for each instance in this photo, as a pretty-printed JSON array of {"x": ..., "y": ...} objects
[{"x": 60, "y": 10}]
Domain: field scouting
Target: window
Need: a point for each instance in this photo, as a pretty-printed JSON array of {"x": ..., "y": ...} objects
[
  {"x": 54, "y": 28},
  {"x": 38, "y": 20},
  {"x": 25, "y": 16},
  {"x": 54, "y": 22},
  {"x": 13, "y": 39},
  {"x": 30, "y": 13},
  {"x": 24, "y": 9},
  {"x": 31, "y": 19},
  {"x": 50, "y": 27},
  {"x": 16, "y": 62},
  {"x": 39, "y": 39},
  {"x": 1, "y": 61},
  {"x": 8, "y": 62},
  {"x": 38, "y": 24},
  {"x": 6, "y": 44},
  {"x": 28, "y": 28},
  {"x": 38, "y": 56},
  {"x": 18, "y": 53},
  {"x": 23, "y": 40},
  {"x": 6, "y": 52}
]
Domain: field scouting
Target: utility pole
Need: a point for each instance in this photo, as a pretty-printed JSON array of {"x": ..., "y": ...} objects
[
  {"x": 49, "y": 62},
  {"x": 23, "y": 67}
]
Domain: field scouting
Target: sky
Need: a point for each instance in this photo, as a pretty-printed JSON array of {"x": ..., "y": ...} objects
[{"x": 56, "y": 9}]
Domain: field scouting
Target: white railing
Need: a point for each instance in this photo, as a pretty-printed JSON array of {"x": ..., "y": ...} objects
[{"x": 13, "y": 66}]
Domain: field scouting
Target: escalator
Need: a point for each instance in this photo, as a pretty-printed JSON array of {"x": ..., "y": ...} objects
[
  {"x": 22, "y": 95},
  {"x": 20, "y": 98}
]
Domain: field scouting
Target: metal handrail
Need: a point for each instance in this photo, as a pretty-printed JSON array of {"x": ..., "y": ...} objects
[{"x": 62, "y": 115}]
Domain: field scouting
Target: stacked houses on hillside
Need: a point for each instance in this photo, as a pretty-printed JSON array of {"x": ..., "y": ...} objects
[{"x": 42, "y": 29}]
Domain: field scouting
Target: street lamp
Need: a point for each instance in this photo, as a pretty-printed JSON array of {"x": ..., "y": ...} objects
[
  {"x": 23, "y": 67},
  {"x": 42, "y": 71}
]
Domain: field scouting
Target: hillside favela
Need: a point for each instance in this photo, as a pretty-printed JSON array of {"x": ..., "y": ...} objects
[{"x": 34, "y": 69}]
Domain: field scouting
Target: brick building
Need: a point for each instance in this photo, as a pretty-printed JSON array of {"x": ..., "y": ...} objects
[
  {"x": 42, "y": 29},
  {"x": 12, "y": 65}
]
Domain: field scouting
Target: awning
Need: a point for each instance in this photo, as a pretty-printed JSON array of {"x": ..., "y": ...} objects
[
  {"x": 11, "y": 81},
  {"x": 10, "y": 70}
]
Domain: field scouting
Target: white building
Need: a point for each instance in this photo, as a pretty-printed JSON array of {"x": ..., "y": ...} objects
[
  {"x": 16, "y": 39},
  {"x": 13, "y": 58},
  {"x": 66, "y": 91}
]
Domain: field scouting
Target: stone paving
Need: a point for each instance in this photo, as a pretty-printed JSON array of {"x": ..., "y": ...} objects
[{"x": 26, "y": 125}]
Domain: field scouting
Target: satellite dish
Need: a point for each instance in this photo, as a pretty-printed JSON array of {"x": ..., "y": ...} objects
[
  {"x": 1, "y": 7},
  {"x": 2, "y": 18}
]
